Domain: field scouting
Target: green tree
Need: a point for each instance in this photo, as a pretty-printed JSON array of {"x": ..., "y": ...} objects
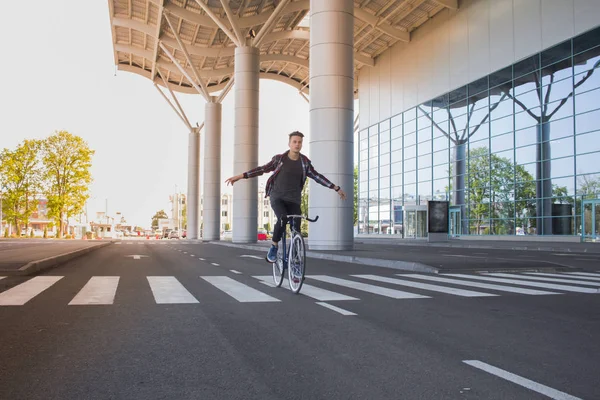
[
  {"x": 20, "y": 181},
  {"x": 158, "y": 215},
  {"x": 492, "y": 192},
  {"x": 304, "y": 209},
  {"x": 67, "y": 160}
]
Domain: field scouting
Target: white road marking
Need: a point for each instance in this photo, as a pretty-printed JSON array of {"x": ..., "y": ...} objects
[
  {"x": 168, "y": 290},
  {"x": 395, "y": 294},
  {"x": 98, "y": 290},
  {"x": 249, "y": 256},
  {"x": 215, "y": 264},
  {"x": 235, "y": 272},
  {"x": 594, "y": 276},
  {"x": 118, "y": 243},
  {"x": 185, "y": 252},
  {"x": 2, "y": 277},
  {"x": 510, "y": 289},
  {"x": 529, "y": 384},
  {"x": 21, "y": 294},
  {"x": 308, "y": 290},
  {"x": 426, "y": 286},
  {"x": 191, "y": 255},
  {"x": 587, "y": 278},
  {"x": 201, "y": 259},
  {"x": 536, "y": 278},
  {"x": 239, "y": 291},
  {"x": 334, "y": 308},
  {"x": 528, "y": 283}
]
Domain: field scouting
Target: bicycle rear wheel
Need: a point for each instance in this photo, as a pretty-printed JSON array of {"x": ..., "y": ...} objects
[
  {"x": 278, "y": 268},
  {"x": 296, "y": 263}
]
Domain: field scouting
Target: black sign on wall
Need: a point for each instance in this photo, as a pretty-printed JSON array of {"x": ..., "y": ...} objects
[{"x": 438, "y": 216}]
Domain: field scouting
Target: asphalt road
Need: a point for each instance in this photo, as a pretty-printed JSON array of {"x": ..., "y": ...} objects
[{"x": 193, "y": 321}]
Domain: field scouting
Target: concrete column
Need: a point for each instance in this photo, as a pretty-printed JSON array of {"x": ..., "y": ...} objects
[
  {"x": 332, "y": 122},
  {"x": 245, "y": 147},
  {"x": 193, "y": 184},
  {"x": 212, "y": 172}
]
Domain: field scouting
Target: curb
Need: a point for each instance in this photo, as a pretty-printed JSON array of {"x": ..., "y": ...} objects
[
  {"x": 50, "y": 262},
  {"x": 375, "y": 262}
]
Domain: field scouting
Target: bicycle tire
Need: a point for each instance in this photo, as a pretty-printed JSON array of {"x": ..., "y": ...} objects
[
  {"x": 278, "y": 268},
  {"x": 296, "y": 263}
]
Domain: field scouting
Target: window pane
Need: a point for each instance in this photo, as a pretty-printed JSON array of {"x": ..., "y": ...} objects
[
  {"x": 561, "y": 147},
  {"x": 588, "y": 122},
  {"x": 410, "y": 152},
  {"x": 588, "y": 163},
  {"x": 588, "y": 143},
  {"x": 526, "y": 155},
  {"x": 410, "y": 164},
  {"x": 441, "y": 157},
  {"x": 562, "y": 167},
  {"x": 526, "y": 137},
  {"x": 503, "y": 142}
]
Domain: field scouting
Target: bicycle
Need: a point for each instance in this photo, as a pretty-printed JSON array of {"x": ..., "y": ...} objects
[{"x": 293, "y": 259}]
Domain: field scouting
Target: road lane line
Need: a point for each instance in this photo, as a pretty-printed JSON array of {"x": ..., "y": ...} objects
[
  {"x": 2, "y": 277},
  {"x": 334, "y": 308},
  {"x": 235, "y": 272},
  {"x": 365, "y": 287},
  {"x": 528, "y": 283},
  {"x": 201, "y": 259},
  {"x": 168, "y": 290},
  {"x": 239, "y": 291},
  {"x": 510, "y": 289},
  {"x": 215, "y": 264},
  {"x": 308, "y": 290},
  {"x": 98, "y": 290},
  {"x": 587, "y": 278},
  {"x": 584, "y": 274},
  {"x": 21, "y": 294},
  {"x": 426, "y": 286},
  {"x": 519, "y": 380},
  {"x": 536, "y": 278},
  {"x": 249, "y": 256}
]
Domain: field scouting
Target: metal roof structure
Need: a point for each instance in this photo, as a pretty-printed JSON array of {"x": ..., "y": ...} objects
[{"x": 149, "y": 35}]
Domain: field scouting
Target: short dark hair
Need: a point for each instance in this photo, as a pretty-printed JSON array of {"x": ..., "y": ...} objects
[{"x": 296, "y": 133}]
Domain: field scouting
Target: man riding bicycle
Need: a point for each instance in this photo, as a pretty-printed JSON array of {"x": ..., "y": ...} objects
[{"x": 285, "y": 185}]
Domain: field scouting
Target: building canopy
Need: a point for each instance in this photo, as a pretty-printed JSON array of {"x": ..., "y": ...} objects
[{"x": 201, "y": 36}]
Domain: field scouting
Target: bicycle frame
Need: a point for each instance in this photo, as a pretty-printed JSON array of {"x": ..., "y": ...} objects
[{"x": 289, "y": 219}]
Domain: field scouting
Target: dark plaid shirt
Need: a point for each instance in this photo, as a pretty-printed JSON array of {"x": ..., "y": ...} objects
[{"x": 275, "y": 165}]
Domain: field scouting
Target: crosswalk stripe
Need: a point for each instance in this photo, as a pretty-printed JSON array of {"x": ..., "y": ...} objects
[
  {"x": 539, "y": 278},
  {"x": 510, "y": 289},
  {"x": 585, "y": 278},
  {"x": 168, "y": 290},
  {"x": 592, "y": 276},
  {"x": 308, "y": 290},
  {"x": 425, "y": 286},
  {"x": 365, "y": 287},
  {"x": 98, "y": 290},
  {"x": 26, "y": 291},
  {"x": 2, "y": 277},
  {"x": 334, "y": 308},
  {"x": 527, "y": 283},
  {"x": 239, "y": 291}
]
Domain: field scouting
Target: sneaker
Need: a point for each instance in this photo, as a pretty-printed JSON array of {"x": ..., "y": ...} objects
[{"x": 272, "y": 254}]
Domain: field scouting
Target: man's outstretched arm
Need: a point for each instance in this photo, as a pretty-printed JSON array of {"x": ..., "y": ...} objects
[{"x": 268, "y": 167}]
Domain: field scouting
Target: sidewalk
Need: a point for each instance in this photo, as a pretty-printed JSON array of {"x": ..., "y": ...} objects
[
  {"x": 457, "y": 255},
  {"x": 29, "y": 256}
]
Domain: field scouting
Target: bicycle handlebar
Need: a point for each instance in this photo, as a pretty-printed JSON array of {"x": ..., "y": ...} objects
[{"x": 303, "y": 217}]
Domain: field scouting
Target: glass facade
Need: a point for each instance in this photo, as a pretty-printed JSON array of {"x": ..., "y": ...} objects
[{"x": 515, "y": 153}]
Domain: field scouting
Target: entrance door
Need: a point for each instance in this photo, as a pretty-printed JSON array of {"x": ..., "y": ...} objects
[
  {"x": 455, "y": 225},
  {"x": 415, "y": 222},
  {"x": 590, "y": 220}
]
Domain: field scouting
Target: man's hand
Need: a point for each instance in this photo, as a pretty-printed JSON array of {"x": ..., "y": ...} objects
[
  {"x": 341, "y": 194},
  {"x": 234, "y": 179}
]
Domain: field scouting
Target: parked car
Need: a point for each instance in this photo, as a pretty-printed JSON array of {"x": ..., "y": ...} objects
[
  {"x": 262, "y": 235},
  {"x": 174, "y": 235}
]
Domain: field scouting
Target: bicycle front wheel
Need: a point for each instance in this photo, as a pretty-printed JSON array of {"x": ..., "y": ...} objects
[{"x": 296, "y": 263}]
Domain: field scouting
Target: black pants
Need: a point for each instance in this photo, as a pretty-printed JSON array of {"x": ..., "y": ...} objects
[{"x": 281, "y": 209}]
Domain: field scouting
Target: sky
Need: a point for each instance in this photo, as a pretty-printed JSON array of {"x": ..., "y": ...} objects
[{"x": 59, "y": 74}]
